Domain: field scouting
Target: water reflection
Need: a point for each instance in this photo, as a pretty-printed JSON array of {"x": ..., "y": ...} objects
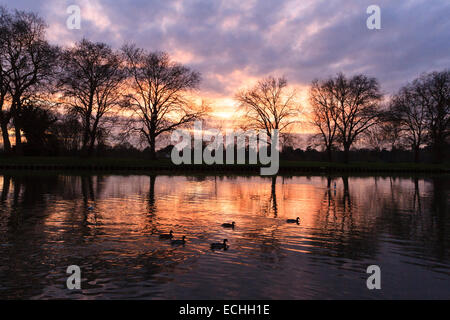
[{"x": 347, "y": 223}]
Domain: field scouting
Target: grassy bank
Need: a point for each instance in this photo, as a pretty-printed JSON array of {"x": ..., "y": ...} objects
[{"x": 124, "y": 164}]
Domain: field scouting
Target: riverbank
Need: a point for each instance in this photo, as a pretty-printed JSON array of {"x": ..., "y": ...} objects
[{"x": 130, "y": 164}]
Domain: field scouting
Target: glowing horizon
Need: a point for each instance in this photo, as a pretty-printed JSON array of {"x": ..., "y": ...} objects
[{"x": 233, "y": 44}]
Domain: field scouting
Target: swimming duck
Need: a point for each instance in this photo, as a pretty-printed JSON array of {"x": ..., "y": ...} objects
[
  {"x": 297, "y": 221},
  {"x": 220, "y": 245},
  {"x": 182, "y": 241},
  {"x": 228, "y": 225},
  {"x": 166, "y": 235}
]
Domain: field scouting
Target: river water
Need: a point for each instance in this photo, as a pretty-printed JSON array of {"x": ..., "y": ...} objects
[{"x": 109, "y": 226}]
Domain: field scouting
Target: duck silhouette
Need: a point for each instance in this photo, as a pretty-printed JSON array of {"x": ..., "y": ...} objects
[
  {"x": 166, "y": 235},
  {"x": 220, "y": 245},
  {"x": 179, "y": 241},
  {"x": 297, "y": 221},
  {"x": 228, "y": 225}
]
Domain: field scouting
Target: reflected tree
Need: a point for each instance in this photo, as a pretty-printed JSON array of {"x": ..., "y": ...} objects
[
  {"x": 87, "y": 189},
  {"x": 5, "y": 188},
  {"x": 335, "y": 220},
  {"x": 417, "y": 201},
  {"x": 273, "y": 196},
  {"x": 151, "y": 196},
  {"x": 440, "y": 209}
]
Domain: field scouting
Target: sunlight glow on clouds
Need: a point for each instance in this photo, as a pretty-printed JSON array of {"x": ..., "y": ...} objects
[{"x": 233, "y": 42}]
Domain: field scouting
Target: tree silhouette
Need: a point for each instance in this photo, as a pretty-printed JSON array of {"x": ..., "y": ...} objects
[
  {"x": 158, "y": 95},
  {"x": 354, "y": 106},
  {"x": 97, "y": 83},
  {"x": 27, "y": 62},
  {"x": 269, "y": 106},
  {"x": 409, "y": 113},
  {"x": 433, "y": 92},
  {"x": 5, "y": 115},
  {"x": 91, "y": 82},
  {"x": 36, "y": 124},
  {"x": 324, "y": 109}
]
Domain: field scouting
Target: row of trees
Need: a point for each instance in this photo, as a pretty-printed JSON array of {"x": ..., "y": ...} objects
[
  {"x": 418, "y": 115},
  {"x": 75, "y": 97},
  {"x": 90, "y": 83},
  {"x": 349, "y": 110}
]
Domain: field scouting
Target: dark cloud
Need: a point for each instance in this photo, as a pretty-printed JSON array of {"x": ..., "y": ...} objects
[{"x": 301, "y": 39}]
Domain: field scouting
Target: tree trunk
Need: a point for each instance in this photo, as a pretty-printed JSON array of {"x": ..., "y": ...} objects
[
  {"x": 90, "y": 150},
  {"x": 85, "y": 142},
  {"x": 152, "y": 143},
  {"x": 91, "y": 143},
  {"x": 416, "y": 154},
  {"x": 93, "y": 137},
  {"x": 330, "y": 158},
  {"x": 5, "y": 136},
  {"x": 19, "y": 148},
  {"x": 15, "y": 113},
  {"x": 346, "y": 153}
]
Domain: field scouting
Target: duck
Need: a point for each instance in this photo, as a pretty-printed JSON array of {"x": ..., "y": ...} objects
[
  {"x": 182, "y": 241},
  {"x": 228, "y": 225},
  {"x": 297, "y": 221},
  {"x": 220, "y": 245},
  {"x": 166, "y": 235}
]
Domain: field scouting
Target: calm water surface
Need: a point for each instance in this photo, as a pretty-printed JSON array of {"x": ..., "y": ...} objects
[{"x": 400, "y": 224}]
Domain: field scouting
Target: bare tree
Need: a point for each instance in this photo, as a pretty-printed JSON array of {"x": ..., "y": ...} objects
[
  {"x": 407, "y": 110},
  {"x": 380, "y": 136},
  {"x": 27, "y": 61},
  {"x": 357, "y": 107},
  {"x": 70, "y": 132},
  {"x": 433, "y": 92},
  {"x": 269, "y": 106},
  {"x": 92, "y": 85},
  {"x": 324, "y": 110},
  {"x": 5, "y": 115},
  {"x": 158, "y": 96},
  {"x": 391, "y": 132},
  {"x": 287, "y": 140}
]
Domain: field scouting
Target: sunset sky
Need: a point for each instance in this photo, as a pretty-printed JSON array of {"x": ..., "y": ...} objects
[{"x": 233, "y": 43}]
